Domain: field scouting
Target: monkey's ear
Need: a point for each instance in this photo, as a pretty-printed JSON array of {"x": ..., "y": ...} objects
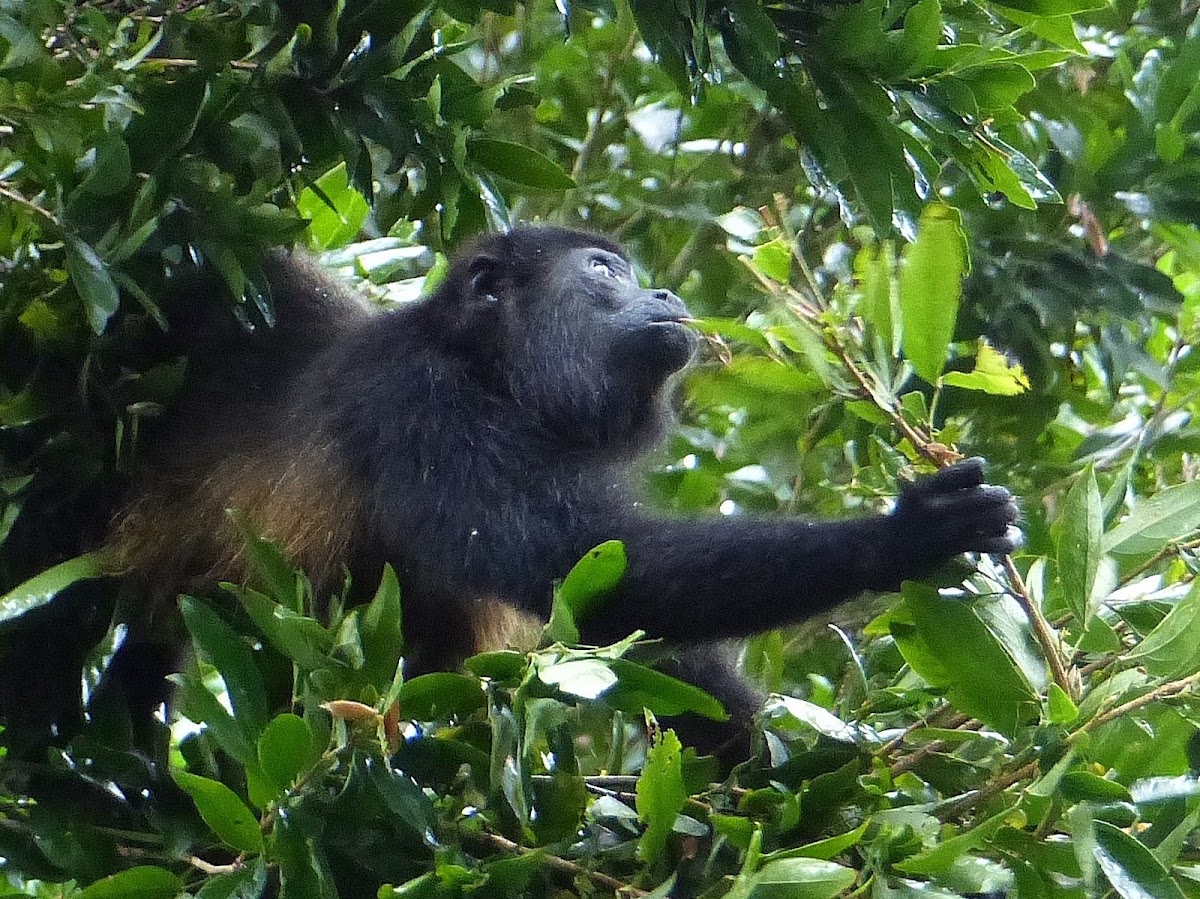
[
  {"x": 485, "y": 280},
  {"x": 477, "y": 310}
]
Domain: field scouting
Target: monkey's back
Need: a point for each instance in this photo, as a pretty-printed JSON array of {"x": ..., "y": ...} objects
[{"x": 234, "y": 441}]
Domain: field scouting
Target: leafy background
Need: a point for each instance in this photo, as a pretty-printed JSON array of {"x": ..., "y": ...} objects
[{"x": 911, "y": 229}]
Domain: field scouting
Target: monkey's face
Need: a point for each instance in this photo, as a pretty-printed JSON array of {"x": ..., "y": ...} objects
[
  {"x": 590, "y": 349},
  {"x": 632, "y": 332}
]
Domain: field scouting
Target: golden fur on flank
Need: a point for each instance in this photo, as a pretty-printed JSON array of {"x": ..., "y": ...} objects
[{"x": 302, "y": 500}]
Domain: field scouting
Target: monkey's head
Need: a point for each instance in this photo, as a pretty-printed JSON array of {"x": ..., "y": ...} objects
[{"x": 561, "y": 325}]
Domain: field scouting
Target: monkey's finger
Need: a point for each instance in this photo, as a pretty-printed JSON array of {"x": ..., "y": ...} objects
[
  {"x": 1002, "y": 546},
  {"x": 961, "y": 476},
  {"x": 983, "y": 503}
]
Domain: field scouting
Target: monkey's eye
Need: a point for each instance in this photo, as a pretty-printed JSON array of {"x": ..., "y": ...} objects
[{"x": 601, "y": 267}]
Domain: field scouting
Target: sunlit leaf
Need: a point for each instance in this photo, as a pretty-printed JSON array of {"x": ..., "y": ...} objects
[
  {"x": 44, "y": 587},
  {"x": 930, "y": 289},
  {"x": 1130, "y": 867},
  {"x": 992, "y": 374},
  {"x": 142, "y": 882},
  {"x": 221, "y": 810},
  {"x": 660, "y": 795},
  {"x": 1080, "y": 533},
  {"x": 1169, "y": 515},
  {"x": 1172, "y": 649}
]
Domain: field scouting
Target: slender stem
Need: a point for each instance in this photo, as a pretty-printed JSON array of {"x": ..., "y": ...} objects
[
  {"x": 808, "y": 310},
  {"x": 33, "y": 207},
  {"x": 1026, "y": 771},
  {"x": 561, "y": 864},
  {"x": 1045, "y": 635}
]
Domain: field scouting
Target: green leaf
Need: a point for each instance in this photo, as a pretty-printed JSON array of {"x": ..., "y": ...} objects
[
  {"x": 998, "y": 86},
  {"x": 403, "y": 797},
  {"x": 1061, "y": 708},
  {"x": 1080, "y": 533},
  {"x": 1155, "y": 522},
  {"x": 334, "y": 209},
  {"x": 92, "y": 282},
  {"x": 142, "y": 882},
  {"x": 950, "y": 647},
  {"x": 232, "y": 655},
  {"x": 195, "y": 701},
  {"x": 1172, "y": 649},
  {"x": 931, "y": 287},
  {"x": 1084, "y": 786},
  {"x": 811, "y": 715},
  {"x": 303, "y": 869},
  {"x": 222, "y": 811},
  {"x": 587, "y": 678},
  {"x": 939, "y": 858},
  {"x": 992, "y": 374},
  {"x": 774, "y": 259},
  {"x": 285, "y": 750},
  {"x": 592, "y": 577},
  {"x": 499, "y": 665},
  {"x": 301, "y": 639},
  {"x": 639, "y": 687},
  {"x": 750, "y": 39},
  {"x": 801, "y": 878},
  {"x": 439, "y": 696},
  {"x": 273, "y": 570},
  {"x": 111, "y": 169},
  {"x": 881, "y": 295},
  {"x": 1052, "y": 7},
  {"x": 381, "y": 633},
  {"x": 1130, "y": 867},
  {"x": 523, "y": 165},
  {"x": 826, "y": 848},
  {"x": 660, "y": 795},
  {"x": 44, "y": 587}
]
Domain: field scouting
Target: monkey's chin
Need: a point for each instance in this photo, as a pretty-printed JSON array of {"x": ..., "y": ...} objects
[{"x": 672, "y": 344}]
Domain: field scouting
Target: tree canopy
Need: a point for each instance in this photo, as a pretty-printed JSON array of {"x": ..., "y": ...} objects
[{"x": 910, "y": 231}]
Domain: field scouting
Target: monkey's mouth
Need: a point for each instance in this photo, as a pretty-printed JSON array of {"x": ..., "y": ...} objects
[{"x": 682, "y": 320}]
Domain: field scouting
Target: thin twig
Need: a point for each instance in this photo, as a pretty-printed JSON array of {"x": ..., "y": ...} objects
[
  {"x": 208, "y": 868},
  {"x": 1004, "y": 781},
  {"x": 33, "y": 207},
  {"x": 1045, "y": 635},
  {"x": 561, "y": 864}
]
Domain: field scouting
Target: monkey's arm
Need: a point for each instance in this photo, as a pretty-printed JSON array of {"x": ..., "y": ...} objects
[{"x": 690, "y": 580}]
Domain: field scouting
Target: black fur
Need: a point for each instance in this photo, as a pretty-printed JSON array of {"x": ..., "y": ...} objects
[{"x": 487, "y": 433}]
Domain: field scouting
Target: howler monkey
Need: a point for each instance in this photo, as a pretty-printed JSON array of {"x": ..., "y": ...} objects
[{"x": 479, "y": 440}]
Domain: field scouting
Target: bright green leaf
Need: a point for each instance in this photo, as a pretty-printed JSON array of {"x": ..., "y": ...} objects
[
  {"x": 992, "y": 374},
  {"x": 1130, "y": 867},
  {"x": 774, "y": 259},
  {"x": 44, "y": 587},
  {"x": 1080, "y": 533},
  {"x": 523, "y": 165},
  {"x": 931, "y": 287},
  {"x": 222, "y": 811},
  {"x": 660, "y": 795},
  {"x": 1168, "y": 515},
  {"x": 142, "y": 882},
  {"x": 1061, "y": 708}
]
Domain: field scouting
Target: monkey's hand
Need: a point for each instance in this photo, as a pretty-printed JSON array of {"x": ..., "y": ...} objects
[{"x": 949, "y": 513}]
